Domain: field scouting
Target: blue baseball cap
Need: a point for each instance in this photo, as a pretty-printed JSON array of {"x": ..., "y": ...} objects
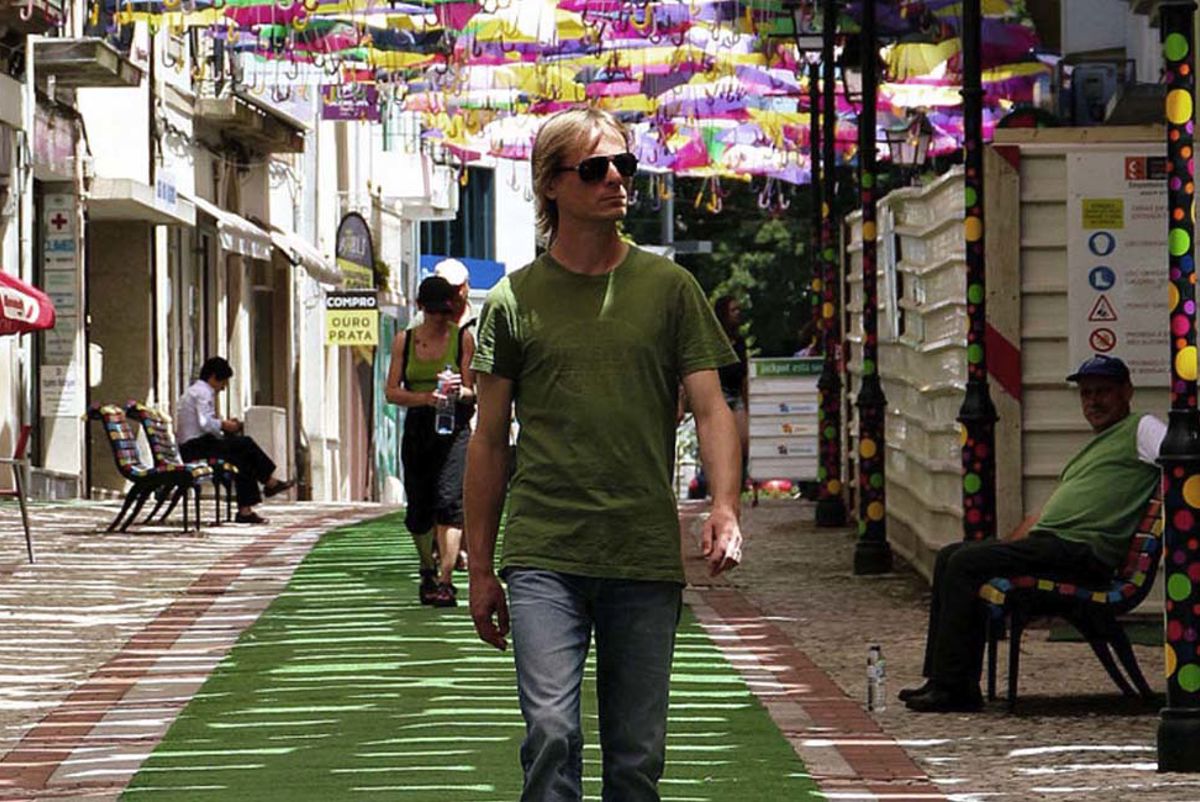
[{"x": 1107, "y": 367}]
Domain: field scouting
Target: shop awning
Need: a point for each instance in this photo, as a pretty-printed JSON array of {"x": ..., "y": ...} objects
[
  {"x": 126, "y": 199},
  {"x": 300, "y": 252},
  {"x": 237, "y": 234}
]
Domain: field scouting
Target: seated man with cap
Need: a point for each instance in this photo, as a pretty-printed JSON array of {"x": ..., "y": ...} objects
[{"x": 1080, "y": 536}]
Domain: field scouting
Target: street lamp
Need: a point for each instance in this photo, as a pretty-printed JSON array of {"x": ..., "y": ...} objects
[
  {"x": 801, "y": 13},
  {"x": 908, "y": 145}
]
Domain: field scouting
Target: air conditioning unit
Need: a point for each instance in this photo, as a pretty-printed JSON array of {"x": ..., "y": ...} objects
[{"x": 1092, "y": 85}]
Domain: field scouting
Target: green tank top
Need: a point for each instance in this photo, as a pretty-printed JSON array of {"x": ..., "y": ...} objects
[
  {"x": 1102, "y": 493},
  {"x": 420, "y": 375}
]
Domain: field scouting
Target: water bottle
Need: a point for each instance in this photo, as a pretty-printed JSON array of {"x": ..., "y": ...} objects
[
  {"x": 444, "y": 420},
  {"x": 876, "y": 679}
]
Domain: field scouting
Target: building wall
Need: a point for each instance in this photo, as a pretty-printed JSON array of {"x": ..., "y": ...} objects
[
  {"x": 1093, "y": 25},
  {"x": 120, "y": 303},
  {"x": 1050, "y": 416},
  {"x": 515, "y": 215},
  {"x": 112, "y": 116}
]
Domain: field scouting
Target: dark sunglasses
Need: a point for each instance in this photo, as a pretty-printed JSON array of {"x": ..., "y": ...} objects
[{"x": 595, "y": 168}]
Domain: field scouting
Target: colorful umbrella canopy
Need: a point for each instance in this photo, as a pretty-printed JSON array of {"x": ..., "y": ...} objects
[
  {"x": 710, "y": 87},
  {"x": 23, "y": 308}
]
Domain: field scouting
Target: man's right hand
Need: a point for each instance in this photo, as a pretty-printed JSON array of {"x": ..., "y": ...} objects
[
  {"x": 487, "y": 599},
  {"x": 231, "y": 425}
]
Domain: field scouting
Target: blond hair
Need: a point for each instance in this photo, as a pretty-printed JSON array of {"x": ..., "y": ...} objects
[{"x": 558, "y": 137}]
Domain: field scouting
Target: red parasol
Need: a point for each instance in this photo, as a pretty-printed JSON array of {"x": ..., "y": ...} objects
[{"x": 23, "y": 308}]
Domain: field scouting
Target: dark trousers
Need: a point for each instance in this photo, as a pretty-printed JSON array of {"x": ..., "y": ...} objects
[
  {"x": 955, "y": 641},
  {"x": 254, "y": 466}
]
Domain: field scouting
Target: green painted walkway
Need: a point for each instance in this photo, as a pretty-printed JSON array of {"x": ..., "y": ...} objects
[{"x": 347, "y": 688}]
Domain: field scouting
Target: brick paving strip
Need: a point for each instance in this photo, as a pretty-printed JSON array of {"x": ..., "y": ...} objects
[
  {"x": 846, "y": 752},
  {"x": 91, "y": 744}
]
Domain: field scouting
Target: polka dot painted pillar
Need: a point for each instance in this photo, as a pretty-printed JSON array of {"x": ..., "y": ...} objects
[
  {"x": 831, "y": 504},
  {"x": 872, "y": 554},
  {"x": 977, "y": 415},
  {"x": 1179, "y": 729},
  {"x": 817, "y": 262}
]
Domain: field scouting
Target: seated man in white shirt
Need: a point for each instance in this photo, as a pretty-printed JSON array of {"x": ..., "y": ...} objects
[{"x": 203, "y": 435}]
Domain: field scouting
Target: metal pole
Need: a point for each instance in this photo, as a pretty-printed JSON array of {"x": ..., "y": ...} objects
[
  {"x": 667, "y": 209},
  {"x": 814, "y": 157},
  {"x": 872, "y": 555},
  {"x": 977, "y": 415},
  {"x": 831, "y": 506},
  {"x": 27, "y": 371},
  {"x": 1179, "y": 726}
]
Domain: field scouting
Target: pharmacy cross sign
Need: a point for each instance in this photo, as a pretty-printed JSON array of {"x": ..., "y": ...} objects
[{"x": 58, "y": 221}]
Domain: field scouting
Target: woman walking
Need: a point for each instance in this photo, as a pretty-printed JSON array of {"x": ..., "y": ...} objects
[{"x": 434, "y": 455}]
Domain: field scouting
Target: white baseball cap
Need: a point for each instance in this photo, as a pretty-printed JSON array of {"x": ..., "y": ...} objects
[{"x": 454, "y": 271}]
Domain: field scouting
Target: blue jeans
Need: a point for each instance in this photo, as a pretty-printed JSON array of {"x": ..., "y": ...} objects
[{"x": 553, "y": 615}]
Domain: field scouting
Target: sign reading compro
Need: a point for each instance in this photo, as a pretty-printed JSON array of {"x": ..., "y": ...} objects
[{"x": 352, "y": 318}]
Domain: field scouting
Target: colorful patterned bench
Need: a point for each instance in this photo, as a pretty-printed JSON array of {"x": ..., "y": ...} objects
[
  {"x": 1093, "y": 611},
  {"x": 157, "y": 427},
  {"x": 144, "y": 479}
]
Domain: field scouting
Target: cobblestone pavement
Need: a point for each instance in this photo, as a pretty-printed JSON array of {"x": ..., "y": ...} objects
[
  {"x": 108, "y": 635},
  {"x": 1073, "y": 736}
]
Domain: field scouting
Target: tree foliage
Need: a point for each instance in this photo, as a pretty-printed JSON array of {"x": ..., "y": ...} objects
[{"x": 761, "y": 256}]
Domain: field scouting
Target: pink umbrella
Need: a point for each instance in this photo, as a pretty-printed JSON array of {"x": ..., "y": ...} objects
[{"x": 23, "y": 308}]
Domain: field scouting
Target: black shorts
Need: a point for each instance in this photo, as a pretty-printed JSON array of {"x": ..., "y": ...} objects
[{"x": 433, "y": 471}]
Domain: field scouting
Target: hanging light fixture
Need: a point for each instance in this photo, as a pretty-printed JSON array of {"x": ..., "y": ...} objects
[
  {"x": 802, "y": 14},
  {"x": 908, "y": 145}
]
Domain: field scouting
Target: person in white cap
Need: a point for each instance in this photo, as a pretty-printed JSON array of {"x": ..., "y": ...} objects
[{"x": 457, "y": 275}]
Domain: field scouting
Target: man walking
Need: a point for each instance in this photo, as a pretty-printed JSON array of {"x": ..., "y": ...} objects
[
  {"x": 1080, "y": 535},
  {"x": 202, "y": 434},
  {"x": 592, "y": 340}
]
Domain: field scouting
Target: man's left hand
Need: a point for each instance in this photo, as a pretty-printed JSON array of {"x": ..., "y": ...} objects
[{"x": 721, "y": 541}]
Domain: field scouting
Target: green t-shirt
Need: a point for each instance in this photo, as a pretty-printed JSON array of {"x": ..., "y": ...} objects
[
  {"x": 596, "y": 363},
  {"x": 1102, "y": 493}
]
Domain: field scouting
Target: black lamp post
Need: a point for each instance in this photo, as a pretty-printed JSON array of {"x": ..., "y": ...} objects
[
  {"x": 1179, "y": 727},
  {"x": 815, "y": 167},
  {"x": 807, "y": 45},
  {"x": 872, "y": 554},
  {"x": 977, "y": 415},
  {"x": 831, "y": 504}
]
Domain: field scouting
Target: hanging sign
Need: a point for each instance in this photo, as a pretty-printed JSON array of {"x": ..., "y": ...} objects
[
  {"x": 350, "y": 103},
  {"x": 352, "y": 318},
  {"x": 355, "y": 254},
  {"x": 1116, "y": 204}
]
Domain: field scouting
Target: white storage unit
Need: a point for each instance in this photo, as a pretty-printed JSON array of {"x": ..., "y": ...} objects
[
  {"x": 783, "y": 418},
  {"x": 268, "y": 427},
  {"x": 922, "y": 333}
]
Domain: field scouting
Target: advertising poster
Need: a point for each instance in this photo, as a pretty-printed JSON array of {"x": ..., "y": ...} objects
[
  {"x": 355, "y": 253},
  {"x": 1116, "y": 260}
]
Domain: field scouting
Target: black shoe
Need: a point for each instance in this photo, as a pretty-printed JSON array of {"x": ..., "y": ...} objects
[
  {"x": 940, "y": 699},
  {"x": 278, "y": 487},
  {"x": 445, "y": 596},
  {"x": 428, "y": 589},
  {"x": 908, "y": 693},
  {"x": 249, "y": 518}
]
